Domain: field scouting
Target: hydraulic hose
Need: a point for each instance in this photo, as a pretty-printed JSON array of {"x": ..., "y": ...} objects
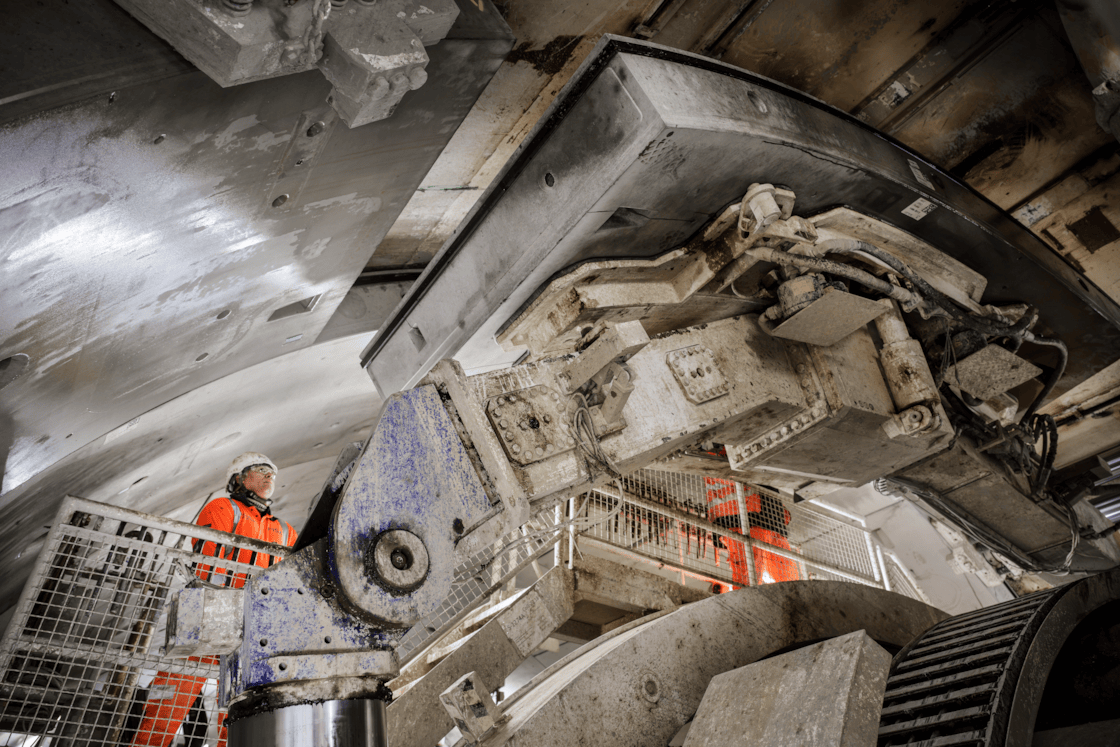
[
  {"x": 816, "y": 264},
  {"x": 854, "y": 247},
  {"x": 1018, "y": 331},
  {"x": 1055, "y": 375}
]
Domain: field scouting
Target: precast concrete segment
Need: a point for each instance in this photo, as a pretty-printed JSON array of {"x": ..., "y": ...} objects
[
  {"x": 830, "y": 693},
  {"x": 416, "y": 717},
  {"x": 679, "y": 137},
  {"x": 601, "y": 693}
]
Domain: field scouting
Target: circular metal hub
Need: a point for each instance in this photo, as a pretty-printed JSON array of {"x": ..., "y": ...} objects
[{"x": 400, "y": 560}]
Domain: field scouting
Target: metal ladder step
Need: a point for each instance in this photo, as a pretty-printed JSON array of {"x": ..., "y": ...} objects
[
  {"x": 999, "y": 654},
  {"x": 941, "y": 720}
]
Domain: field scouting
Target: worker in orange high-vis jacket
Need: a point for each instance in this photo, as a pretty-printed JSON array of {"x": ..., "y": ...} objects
[
  {"x": 244, "y": 511},
  {"x": 768, "y": 520}
]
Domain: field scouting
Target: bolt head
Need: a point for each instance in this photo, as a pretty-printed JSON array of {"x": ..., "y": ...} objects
[{"x": 399, "y": 560}]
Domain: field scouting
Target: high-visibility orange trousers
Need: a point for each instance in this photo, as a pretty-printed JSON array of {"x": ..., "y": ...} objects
[{"x": 169, "y": 700}]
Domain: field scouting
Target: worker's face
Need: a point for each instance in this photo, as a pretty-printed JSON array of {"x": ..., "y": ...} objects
[{"x": 259, "y": 480}]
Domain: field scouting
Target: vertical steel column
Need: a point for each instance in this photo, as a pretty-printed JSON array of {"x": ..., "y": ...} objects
[
  {"x": 886, "y": 576},
  {"x": 908, "y": 576},
  {"x": 557, "y": 554},
  {"x": 571, "y": 533},
  {"x": 331, "y": 723},
  {"x": 745, "y": 528}
]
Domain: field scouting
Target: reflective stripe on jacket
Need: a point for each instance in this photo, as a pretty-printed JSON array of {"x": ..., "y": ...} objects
[{"x": 229, "y": 515}]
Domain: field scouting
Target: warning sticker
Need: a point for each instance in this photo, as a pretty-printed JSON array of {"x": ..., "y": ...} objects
[
  {"x": 922, "y": 178},
  {"x": 919, "y": 209}
]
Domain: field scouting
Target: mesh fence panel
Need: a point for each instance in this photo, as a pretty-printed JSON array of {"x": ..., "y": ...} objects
[
  {"x": 479, "y": 577},
  {"x": 705, "y": 525},
  {"x": 696, "y": 546},
  {"x": 901, "y": 581},
  {"x": 80, "y": 663}
]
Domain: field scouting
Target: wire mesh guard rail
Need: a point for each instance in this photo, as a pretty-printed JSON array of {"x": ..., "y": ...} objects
[
  {"x": 695, "y": 524},
  {"x": 81, "y": 656},
  {"x": 479, "y": 577}
]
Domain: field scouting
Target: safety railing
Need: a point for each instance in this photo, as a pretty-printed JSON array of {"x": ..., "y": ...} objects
[
  {"x": 81, "y": 661},
  {"x": 733, "y": 534},
  {"x": 477, "y": 579}
]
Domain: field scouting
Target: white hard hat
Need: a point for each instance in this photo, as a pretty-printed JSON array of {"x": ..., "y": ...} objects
[{"x": 248, "y": 459}]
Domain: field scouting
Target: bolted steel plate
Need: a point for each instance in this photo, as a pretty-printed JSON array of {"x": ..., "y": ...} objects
[
  {"x": 531, "y": 424},
  {"x": 696, "y": 371}
]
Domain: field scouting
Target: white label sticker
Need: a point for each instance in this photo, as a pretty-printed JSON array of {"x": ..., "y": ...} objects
[
  {"x": 922, "y": 178},
  {"x": 527, "y": 623},
  {"x": 919, "y": 209},
  {"x": 895, "y": 94}
]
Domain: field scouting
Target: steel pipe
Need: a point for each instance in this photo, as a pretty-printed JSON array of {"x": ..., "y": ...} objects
[{"x": 330, "y": 723}]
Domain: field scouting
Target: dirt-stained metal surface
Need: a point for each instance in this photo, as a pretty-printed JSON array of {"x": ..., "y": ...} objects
[
  {"x": 992, "y": 88},
  {"x": 116, "y": 273},
  {"x": 413, "y": 475},
  {"x": 660, "y": 120},
  {"x": 1078, "y": 217},
  {"x": 1013, "y": 120},
  {"x": 854, "y": 47},
  {"x": 1088, "y": 415},
  {"x": 142, "y": 260}
]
